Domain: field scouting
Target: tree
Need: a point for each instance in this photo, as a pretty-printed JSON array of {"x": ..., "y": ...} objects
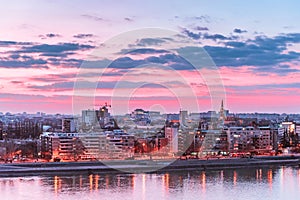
[
  {"x": 11, "y": 148},
  {"x": 285, "y": 141}
]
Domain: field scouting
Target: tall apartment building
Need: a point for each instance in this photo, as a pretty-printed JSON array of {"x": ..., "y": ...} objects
[
  {"x": 183, "y": 117},
  {"x": 289, "y": 134},
  {"x": 65, "y": 146},
  {"x": 96, "y": 145},
  {"x": 69, "y": 125},
  {"x": 90, "y": 117},
  {"x": 212, "y": 142},
  {"x": 120, "y": 144},
  {"x": 171, "y": 133},
  {"x": 245, "y": 139},
  {"x": 297, "y": 128}
]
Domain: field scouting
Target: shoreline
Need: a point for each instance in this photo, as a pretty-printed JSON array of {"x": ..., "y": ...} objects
[{"x": 141, "y": 166}]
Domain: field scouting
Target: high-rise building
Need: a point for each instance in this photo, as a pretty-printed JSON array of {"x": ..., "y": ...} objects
[
  {"x": 89, "y": 117},
  {"x": 183, "y": 117},
  {"x": 65, "y": 146},
  {"x": 69, "y": 125},
  {"x": 103, "y": 116},
  {"x": 171, "y": 133},
  {"x": 1, "y": 130},
  {"x": 246, "y": 139},
  {"x": 95, "y": 144}
]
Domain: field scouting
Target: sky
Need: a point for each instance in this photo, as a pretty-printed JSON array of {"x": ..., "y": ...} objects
[{"x": 59, "y": 56}]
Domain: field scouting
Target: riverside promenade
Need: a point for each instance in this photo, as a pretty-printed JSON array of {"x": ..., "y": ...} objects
[{"x": 141, "y": 166}]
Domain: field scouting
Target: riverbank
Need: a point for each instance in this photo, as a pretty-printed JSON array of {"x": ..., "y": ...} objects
[{"x": 141, "y": 166}]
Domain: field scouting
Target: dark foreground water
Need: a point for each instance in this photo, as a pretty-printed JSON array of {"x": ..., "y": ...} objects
[{"x": 241, "y": 184}]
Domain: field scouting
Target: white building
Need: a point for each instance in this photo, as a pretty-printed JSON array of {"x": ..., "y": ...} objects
[
  {"x": 65, "y": 146},
  {"x": 250, "y": 138},
  {"x": 171, "y": 133},
  {"x": 287, "y": 126},
  {"x": 95, "y": 145},
  {"x": 183, "y": 117},
  {"x": 297, "y": 128},
  {"x": 89, "y": 117}
]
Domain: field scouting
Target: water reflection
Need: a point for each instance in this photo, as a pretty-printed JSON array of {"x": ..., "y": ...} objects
[
  {"x": 170, "y": 180},
  {"x": 246, "y": 184},
  {"x": 203, "y": 181},
  {"x": 270, "y": 178},
  {"x": 92, "y": 182}
]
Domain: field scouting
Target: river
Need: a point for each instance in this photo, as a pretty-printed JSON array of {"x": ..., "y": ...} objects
[{"x": 241, "y": 184}]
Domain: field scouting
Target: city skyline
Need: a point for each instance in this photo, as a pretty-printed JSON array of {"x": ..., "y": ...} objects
[{"x": 45, "y": 43}]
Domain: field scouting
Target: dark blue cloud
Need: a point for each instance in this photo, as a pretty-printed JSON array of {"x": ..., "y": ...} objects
[
  {"x": 52, "y": 35},
  {"x": 207, "y": 36},
  {"x": 28, "y": 63},
  {"x": 237, "y": 30},
  {"x": 128, "y": 19},
  {"x": 145, "y": 51},
  {"x": 250, "y": 55},
  {"x": 54, "y": 54},
  {"x": 264, "y": 53},
  {"x": 98, "y": 64},
  {"x": 125, "y": 62},
  {"x": 57, "y": 54},
  {"x": 203, "y": 18},
  {"x": 195, "y": 36},
  {"x": 68, "y": 62},
  {"x": 150, "y": 41},
  {"x": 218, "y": 37},
  {"x": 9, "y": 43},
  {"x": 201, "y": 28},
  {"x": 14, "y": 56},
  {"x": 49, "y": 35},
  {"x": 83, "y": 35},
  {"x": 235, "y": 44},
  {"x": 55, "y": 48}
]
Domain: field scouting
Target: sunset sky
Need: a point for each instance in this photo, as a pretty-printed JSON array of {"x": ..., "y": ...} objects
[{"x": 47, "y": 46}]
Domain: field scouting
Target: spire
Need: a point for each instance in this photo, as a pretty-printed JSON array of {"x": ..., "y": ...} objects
[
  {"x": 222, "y": 105},
  {"x": 222, "y": 112}
]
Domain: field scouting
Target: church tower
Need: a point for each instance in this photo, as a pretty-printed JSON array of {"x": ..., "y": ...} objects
[{"x": 222, "y": 111}]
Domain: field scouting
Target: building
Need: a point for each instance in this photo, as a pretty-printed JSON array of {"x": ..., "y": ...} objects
[
  {"x": 171, "y": 133},
  {"x": 212, "y": 142},
  {"x": 120, "y": 144},
  {"x": 65, "y": 146},
  {"x": 288, "y": 134},
  {"x": 250, "y": 139},
  {"x": 183, "y": 117},
  {"x": 186, "y": 141},
  {"x": 69, "y": 125},
  {"x": 297, "y": 128},
  {"x": 104, "y": 115},
  {"x": 95, "y": 144},
  {"x": 222, "y": 114},
  {"x": 141, "y": 117},
  {"x": 263, "y": 140},
  {"x": 90, "y": 117}
]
